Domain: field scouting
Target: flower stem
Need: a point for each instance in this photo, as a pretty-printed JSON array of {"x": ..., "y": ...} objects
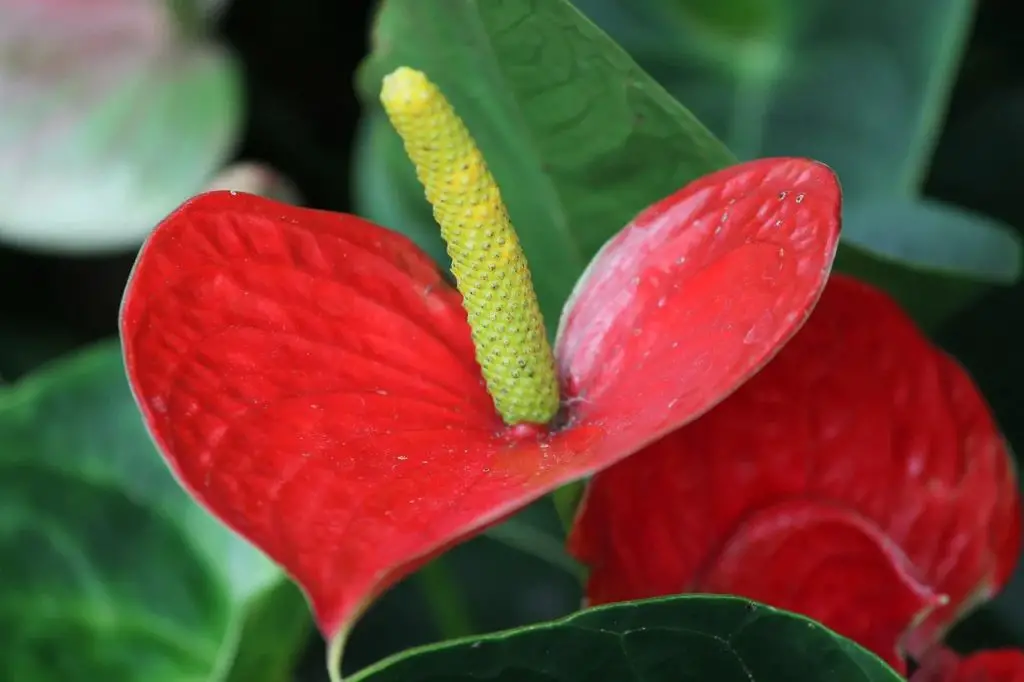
[
  {"x": 529, "y": 540},
  {"x": 566, "y": 500},
  {"x": 445, "y": 600}
]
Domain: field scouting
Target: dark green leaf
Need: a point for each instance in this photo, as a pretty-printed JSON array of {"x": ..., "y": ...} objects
[
  {"x": 861, "y": 86},
  {"x": 502, "y": 584},
  {"x": 679, "y": 639},
  {"x": 386, "y": 190},
  {"x": 579, "y": 138},
  {"x": 97, "y": 587},
  {"x": 567, "y": 500},
  {"x": 967, "y": 252},
  {"x": 110, "y": 570},
  {"x": 274, "y": 633},
  {"x": 952, "y": 240},
  {"x": 858, "y": 85},
  {"x": 545, "y": 544}
]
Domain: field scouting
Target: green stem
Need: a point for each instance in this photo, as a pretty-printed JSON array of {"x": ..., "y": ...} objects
[
  {"x": 566, "y": 499},
  {"x": 445, "y": 600},
  {"x": 529, "y": 540}
]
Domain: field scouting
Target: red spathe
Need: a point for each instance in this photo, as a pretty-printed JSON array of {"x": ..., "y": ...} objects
[
  {"x": 859, "y": 479},
  {"x": 310, "y": 376}
]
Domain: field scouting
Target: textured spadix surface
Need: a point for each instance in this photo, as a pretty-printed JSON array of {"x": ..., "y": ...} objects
[{"x": 489, "y": 266}]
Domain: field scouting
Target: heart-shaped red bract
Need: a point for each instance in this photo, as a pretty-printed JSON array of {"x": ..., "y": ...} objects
[
  {"x": 311, "y": 379},
  {"x": 859, "y": 478}
]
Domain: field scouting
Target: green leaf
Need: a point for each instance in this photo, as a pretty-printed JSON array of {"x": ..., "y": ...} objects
[
  {"x": 385, "y": 188},
  {"x": 110, "y": 120},
  {"x": 952, "y": 239},
  {"x": 579, "y": 138},
  {"x": 967, "y": 253},
  {"x": 692, "y": 638},
  {"x": 276, "y": 627},
  {"x": 515, "y": 574},
  {"x": 567, "y": 501},
  {"x": 544, "y": 543},
  {"x": 110, "y": 570},
  {"x": 861, "y": 86}
]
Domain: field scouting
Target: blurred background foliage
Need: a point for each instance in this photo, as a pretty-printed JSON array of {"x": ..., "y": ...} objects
[{"x": 112, "y": 114}]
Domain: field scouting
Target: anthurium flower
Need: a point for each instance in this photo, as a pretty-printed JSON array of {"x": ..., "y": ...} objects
[
  {"x": 858, "y": 479},
  {"x": 316, "y": 383}
]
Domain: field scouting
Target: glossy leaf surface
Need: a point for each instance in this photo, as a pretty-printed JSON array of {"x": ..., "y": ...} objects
[
  {"x": 949, "y": 239},
  {"x": 387, "y": 192},
  {"x": 861, "y": 86},
  {"x": 698, "y": 638},
  {"x": 310, "y": 376},
  {"x": 963, "y": 254},
  {"x": 579, "y": 138},
  {"x": 858, "y": 85},
  {"x": 111, "y": 117},
  {"x": 109, "y": 570},
  {"x": 770, "y": 77},
  {"x": 858, "y": 478}
]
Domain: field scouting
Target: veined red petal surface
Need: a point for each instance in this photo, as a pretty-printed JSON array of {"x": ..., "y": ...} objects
[
  {"x": 697, "y": 294},
  {"x": 826, "y": 562},
  {"x": 858, "y": 473},
  {"x": 997, "y": 665},
  {"x": 311, "y": 378}
]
